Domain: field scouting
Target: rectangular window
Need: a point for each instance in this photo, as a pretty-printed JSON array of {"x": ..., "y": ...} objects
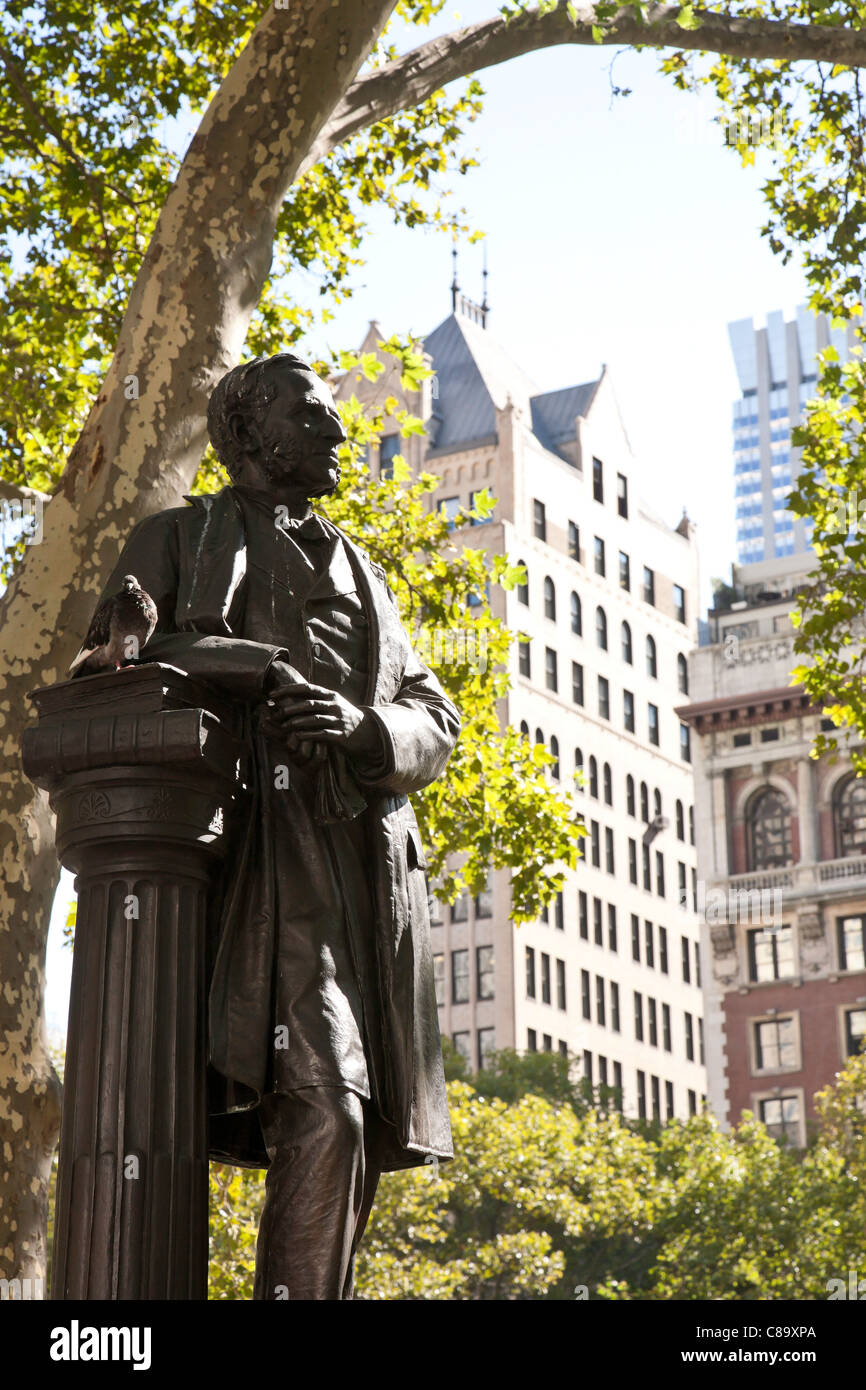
[
  {"x": 608, "y": 850},
  {"x": 682, "y": 887},
  {"x": 669, "y": 1100},
  {"x": 486, "y": 1039},
  {"x": 781, "y": 1115},
  {"x": 484, "y": 971},
  {"x": 852, "y": 942},
  {"x": 530, "y": 972},
  {"x": 685, "y": 743},
  {"x": 559, "y": 912},
  {"x": 855, "y": 1030},
  {"x": 523, "y": 658},
  {"x": 667, "y": 1042},
  {"x": 550, "y": 677},
  {"x": 653, "y": 722},
  {"x": 641, "y": 1095},
  {"x": 628, "y": 711},
  {"x": 560, "y": 984},
  {"x": 582, "y": 916},
  {"x": 656, "y": 1095},
  {"x": 577, "y": 682},
  {"x": 484, "y": 902},
  {"x": 599, "y": 1000},
  {"x": 679, "y": 603},
  {"x": 624, "y": 571},
  {"x": 771, "y": 953},
  {"x": 598, "y": 480},
  {"x": 547, "y": 1042},
  {"x": 635, "y": 937},
  {"x": 439, "y": 977},
  {"x": 598, "y": 551},
  {"x": 459, "y": 977},
  {"x": 645, "y": 866},
  {"x": 596, "y": 921},
  {"x": 595, "y": 845},
  {"x": 690, "y": 1037},
  {"x": 602, "y": 1072},
  {"x": 638, "y": 1016},
  {"x": 649, "y": 585},
  {"x": 539, "y": 520},
  {"x": 698, "y": 964},
  {"x": 622, "y": 495},
  {"x": 460, "y": 908},
  {"x": 649, "y": 942},
  {"x": 614, "y": 1006},
  {"x": 545, "y": 978},
  {"x": 632, "y": 861},
  {"x": 449, "y": 507},
  {"x": 660, "y": 873},
  {"x": 477, "y": 520},
  {"x": 563, "y": 1048},
  {"x": 603, "y": 698},
  {"x": 687, "y": 960},
  {"x": 611, "y": 927},
  {"x": 587, "y": 1066},
  {"x": 585, "y": 1003},
  {"x": 462, "y": 1045},
  {"x": 573, "y": 541},
  {"x": 389, "y": 447},
  {"x": 663, "y": 950},
  {"x": 531, "y": 1040},
  {"x": 701, "y": 1041},
  {"x": 617, "y": 1081},
  {"x": 775, "y": 1045},
  {"x": 652, "y": 1019},
  {"x": 693, "y": 1103}
]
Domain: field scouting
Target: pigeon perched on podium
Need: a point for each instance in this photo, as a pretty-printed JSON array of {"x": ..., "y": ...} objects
[{"x": 120, "y": 627}]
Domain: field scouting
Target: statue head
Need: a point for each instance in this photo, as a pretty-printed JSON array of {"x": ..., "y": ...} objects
[{"x": 274, "y": 425}]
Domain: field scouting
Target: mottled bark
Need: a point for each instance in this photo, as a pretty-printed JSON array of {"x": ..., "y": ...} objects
[{"x": 184, "y": 327}]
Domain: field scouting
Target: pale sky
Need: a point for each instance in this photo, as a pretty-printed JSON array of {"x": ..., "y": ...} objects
[{"x": 624, "y": 234}]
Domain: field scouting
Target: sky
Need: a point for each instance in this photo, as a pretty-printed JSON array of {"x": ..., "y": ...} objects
[{"x": 617, "y": 232}]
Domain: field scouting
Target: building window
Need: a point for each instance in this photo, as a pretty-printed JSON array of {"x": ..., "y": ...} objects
[
  {"x": 578, "y": 769},
  {"x": 629, "y": 795},
  {"x": 622, "y": 495},
  {"x": 693, "y": 1103},
  {"x": 667, "y": 1043},
  {"x": 682, "y": 886},
  {"x": 531, "y": 1040},
  {"x": 638, "y": 1016},
  {"x": 484, "y": 901},
  {"x": 389, "y": 448},
  {"x": 577, "y": 682},
  {"x": 449, "y": 507},
  {"x": 653, "y": 722},
  {"x": 781, "y": 1115},
  {"x": 855, "y": 1030},
  {"x": 850, "y": 817},
  {"x": 486, "y": 1039},
  {"x": 768, "y": 822},
  {"x": 576, "y": 615},
  {"x": 545, "y": 978},
  {"x": 771, "y": 953},
  {"x": 607, "y": 783},
  {"x": 652, "y": 1018},
  {"x": 530, "y": 972},
  {"x": 852, "y": 942},
  {"x": 625, "y": 637},
  {"x": 597, "y": 480},
  {"x": 635, "y": 937},
  {"x": 680, "y": 821},
  {"x": 583, "y": 915},
  {"x": 641, "y": 1095},
  {"x": 599, "y": 1001},
  {"x": 523, "y": 660},
  {"x": 628, "y": 711},
  {"x": 573, "y": 541},
  {"x": 682, "y": 674},
  {"x": 649, "y": 944},
  {"x": 614, "y": 1006},
  {"x": 539, "y": 520},
  {"x": 563, "y": 1048},
  {"x": 691, "y": 825},
  {"x": 652, "y": 668},
  {"x": 608, "y": 850},
  {"x": 439, "y": 977},
  {"x": 462, "y": 1045},
  {"x": 687, "y": 960},
  {"x": 698, "y": 964},
  {"x": 602, "y": 1074},
  {"x": 587, "y": 1066},
  {"x": 484, "y": 970},
  {"x": 776, "y": 1045},
  {"x": 459, "y": 977},
  {"x": 523, "y": 589},
  {"x": 601, "y": 629},
  {"x": 663, "y": 950},
  {"x": 690, "y": 1037},
  {"x": 559, "y": 912},
  {"x": 624, "y": 571},
  {"x": 595, "y": 845},
  {"x": 656, "y": 1098},
  {"x": 585, "y": 1000},
  {"x": 649, "y": 585},
  {"x": 632, "y": 861},
  {"x": 657, "y": 802},
  {"x": 598, "y": 549},
  {"x": 550, "y": 676},
  {"x": 644, "y": 803},
  {"x": 669, "y": 1100},
  {"x": 549, "y": 599},
  {"x": 598, "y": 935},
  {"x": 603, "y": 698},
  {"x": 560, "y": 984},
  {"x": 611, "y": 927},
  {"x": 554, "y": 749},
  {"x": 685, "y": 743},
  {"x": 645, "y": 867},
  {"x": 460, "y": 908},
  {"x": 660, "y": 873},
  {"x": 679, "y": 603},
  {"x": 593, "y": 778}
]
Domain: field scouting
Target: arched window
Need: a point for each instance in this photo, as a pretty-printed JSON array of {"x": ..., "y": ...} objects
[
  {"x": 607, "y": 784},
  {"x": 629, "y": 794},
  {"x": 549, "y": 599},
  {"x": 601, "y": 628},
  {"x": 682, "y": 674},
  {"x": 657, "y": 802},
  {"x": 691, "y": 825},
  {"x": 539, "y": 736},
  {"x": 651, "y": 662},
  {"x": 578, "y": 768},
  {"x": 576, "y": 615},
  {"x": 523, "y": 589},
  {"x": 626, "y": 643},
  {"x": 681, "y": 821},
  {"x": 849, "y": 816},
  {"x": 593, "y": 778},
  {"x": 524, "y": 728},
  {"x": 768, "y": 821},
  {"x": 554, "y": 748},
  {"x": 644, "y": 802}
]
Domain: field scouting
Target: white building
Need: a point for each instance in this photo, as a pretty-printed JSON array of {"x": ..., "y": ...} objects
[{"x": 611, "y": 609}]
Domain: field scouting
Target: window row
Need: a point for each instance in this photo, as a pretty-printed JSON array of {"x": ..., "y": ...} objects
[
  {"x": 540, "y": 986},
  {"x": 654, "y": 1099},
  {"x": 771, "y": 955},
  {"x": 459, "y": 910},
  {"x": 769, "y": 824},
  {"x": 460, "y": 981},
  {"x": 775, "y": 1044},
  {"x": 484, "y": 1045}
]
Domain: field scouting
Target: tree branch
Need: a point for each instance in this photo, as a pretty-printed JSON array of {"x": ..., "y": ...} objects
[{"x": 416, "y": 75}]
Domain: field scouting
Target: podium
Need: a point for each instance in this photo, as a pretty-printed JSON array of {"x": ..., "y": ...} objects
[{"x": 144, "y": 768}]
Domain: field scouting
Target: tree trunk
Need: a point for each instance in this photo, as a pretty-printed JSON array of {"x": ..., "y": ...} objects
[{"x": 184, "y": 328}]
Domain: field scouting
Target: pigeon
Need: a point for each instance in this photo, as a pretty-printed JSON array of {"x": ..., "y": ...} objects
[{"x": 119, "y": 629}]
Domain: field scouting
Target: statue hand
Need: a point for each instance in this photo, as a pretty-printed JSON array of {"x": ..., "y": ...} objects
[{"x": 314, "y": 713}]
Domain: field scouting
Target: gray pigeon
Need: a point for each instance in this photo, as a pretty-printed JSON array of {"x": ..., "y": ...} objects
[{"x": 130, "y": 613}]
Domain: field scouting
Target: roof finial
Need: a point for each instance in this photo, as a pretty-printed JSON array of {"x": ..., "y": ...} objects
[
  {"x": 485, "y": 307},
  {"x": 455, "y": 288}
]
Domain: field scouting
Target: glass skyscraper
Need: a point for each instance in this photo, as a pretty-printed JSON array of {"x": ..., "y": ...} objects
[{"x": 777, "y": 372}]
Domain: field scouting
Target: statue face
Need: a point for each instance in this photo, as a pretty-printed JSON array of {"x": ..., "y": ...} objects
[{"x": 294, "y": 441}]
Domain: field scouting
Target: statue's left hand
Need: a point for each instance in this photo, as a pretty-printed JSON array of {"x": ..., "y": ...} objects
[{"x": 313, "y": 713}]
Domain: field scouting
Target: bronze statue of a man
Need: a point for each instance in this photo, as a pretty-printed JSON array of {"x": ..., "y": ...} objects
[{"x": 324, "y": 1059}]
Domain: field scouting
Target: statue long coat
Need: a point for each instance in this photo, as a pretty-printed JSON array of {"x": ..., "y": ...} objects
[{"x": 192, "y": 561}]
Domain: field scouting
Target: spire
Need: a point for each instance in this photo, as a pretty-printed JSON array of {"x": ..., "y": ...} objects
[
  {"x": 455, "y": 288},
  {"x": 485, "y": 307}
]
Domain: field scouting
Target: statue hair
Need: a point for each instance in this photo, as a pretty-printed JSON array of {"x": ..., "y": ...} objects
[{"x": 246, "y": 390}]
